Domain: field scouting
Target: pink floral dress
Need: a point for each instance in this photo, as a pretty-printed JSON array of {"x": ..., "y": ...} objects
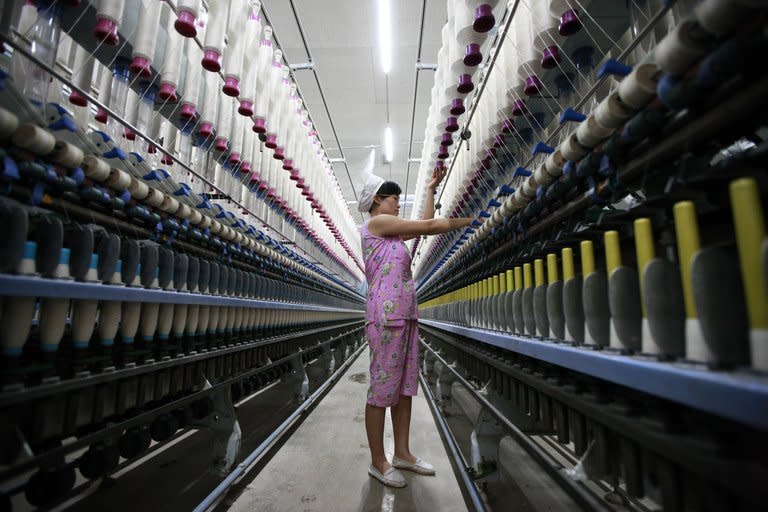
[{"x": 391, "y": 315}]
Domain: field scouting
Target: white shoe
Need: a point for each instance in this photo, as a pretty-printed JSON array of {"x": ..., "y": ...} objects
[
  {"x": 421, "y": 467},
  {"x": 392, "y": 477}
]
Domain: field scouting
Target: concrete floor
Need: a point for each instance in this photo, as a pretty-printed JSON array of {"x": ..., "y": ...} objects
[{"x": 324, "y": 464}]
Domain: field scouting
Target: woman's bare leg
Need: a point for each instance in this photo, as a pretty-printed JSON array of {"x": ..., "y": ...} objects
[
  {"x": 401, "y": 426},
  {"x": 374, "y": 427}
]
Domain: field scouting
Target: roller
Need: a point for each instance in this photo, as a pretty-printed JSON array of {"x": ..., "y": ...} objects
[
  {"x": 570, "y": 148},
  {"x": 18, "y": 255},
  {"x": 716, "y": 318},
  {"x": 501, "y": 296},
  {"x": 35, "y": 139},
  {"x": 611, "y": 113},
  {"x": 118, "y": 180},
  {"x": 680, "y": 49},
  {"x": 529, "y": 317},
  {"x": 149, "y": 279},
  {"x": 67, "y": 155},
  {"x": 749, "y": 223},
  {"x": 146, "y": 38},
  {"x": 590, "y": 133},
  {"x": 594, "y": 298},
  {"x": 83, "y": 267},
  {"x": 663, "y": 309},
  {"x": 623, "y": 298},
  {"x": 554, "y": 299},
  {"x": 9, "y": 123},
  {"x": 572, "y": 307},
  {"x": 638, "y": 88}
]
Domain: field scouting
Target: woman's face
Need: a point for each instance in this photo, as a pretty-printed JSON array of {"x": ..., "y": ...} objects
[{"x": 389, "y": 205}]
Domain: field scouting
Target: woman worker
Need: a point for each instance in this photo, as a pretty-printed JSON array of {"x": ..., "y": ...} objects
[{"x": 391, "y": 328}]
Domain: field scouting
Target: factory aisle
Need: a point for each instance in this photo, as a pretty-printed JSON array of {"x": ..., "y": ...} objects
[{"x": 323, "y": 466}]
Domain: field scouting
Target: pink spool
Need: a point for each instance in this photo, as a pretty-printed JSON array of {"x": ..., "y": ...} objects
[
  {"x": 106, "y": 31},
  {"x": 212, "y": 61},
  {"x": 465, "y": 84},
  {"x": 472, "y": 55},
  {"x": 185, "y": 24},
  {"x": 231, "y": 87},
  {"x": 484, "y": 20}
]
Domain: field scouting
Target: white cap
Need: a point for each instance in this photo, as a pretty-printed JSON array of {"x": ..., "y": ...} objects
[{"x": 372, "y": 184}]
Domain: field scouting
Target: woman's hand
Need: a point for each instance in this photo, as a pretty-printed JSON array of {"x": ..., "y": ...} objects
[{"x": 437, "y": 176}]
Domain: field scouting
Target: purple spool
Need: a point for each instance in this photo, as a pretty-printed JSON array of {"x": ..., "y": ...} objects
[
  {"x": 465, "y": 84},
  {"x": 484, "y": 20},
  {"x": 550, "y": 57},
  {"x": 532, "y": 85},
  {"x": 498, "y": 141},
  {"x": 472, "y": 55},
  {"x": 451, "y": 125},
  {"x": 508, "y": 126},
  {"x": 519, "y": 108},
  {"x": 447, "y": 139},
  {"x": 457, "y": 107},
  {"x": 569, "y": 23},
  {"x": 443, "y": 153}
]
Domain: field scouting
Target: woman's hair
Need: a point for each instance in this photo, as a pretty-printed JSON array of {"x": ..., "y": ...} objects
[{"x": 388, "y": 188}]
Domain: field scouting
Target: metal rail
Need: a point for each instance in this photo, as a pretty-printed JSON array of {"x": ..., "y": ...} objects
[
  {"x": 116, "y": 429},
  {"x": 574, "y": 489},
  {"x": 739, "y": 395},
  {"x": 460, "y": 466},
  {"x": 218, "y": 493},
  {"x": 26, "y": 286}
]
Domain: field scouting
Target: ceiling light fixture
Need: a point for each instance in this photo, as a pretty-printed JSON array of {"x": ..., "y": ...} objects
[
  {"x": 388, "y": 144},
  {"x": 385, "y": 35}
]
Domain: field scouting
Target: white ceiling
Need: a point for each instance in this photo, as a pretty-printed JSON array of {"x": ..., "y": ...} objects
[{"x": 342, "y": 36}]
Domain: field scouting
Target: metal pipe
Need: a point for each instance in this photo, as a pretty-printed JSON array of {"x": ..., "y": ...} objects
[
  {"x": 212, "y": 499},
  {"x": 415, "y": 94},
  {"x": 322, "y": 94},
  {"x": 460, "y": 465},
  {"x": 578, "y": 492}
]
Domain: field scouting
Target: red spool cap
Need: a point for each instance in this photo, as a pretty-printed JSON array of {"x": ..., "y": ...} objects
[
  {"x": 231, "y": 86},
  {"x": 212, "y": 61},
  {"x": 185, "y": 24},
  {"x": 206, "y": 130},
  {"x": 106, "y": 31},
  {"x": 259, "y": 125},
  {"x": 245, "y": 108},
  {"x": 188, "y": 111},
  {"x": 140, "y": 66},
  {"x": 78, "y": 99},
  {"x": 167, "y": 92}
]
